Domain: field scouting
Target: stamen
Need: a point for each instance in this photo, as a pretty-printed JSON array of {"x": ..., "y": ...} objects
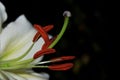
[
  {"x": 44, "y": 62},
  {"x": 48, "y": 28},
  {"x": 42, "y": 32},
  {"x": 46, "y": 45},
  {"x": 42, "y": 52},
  {"x": 63, "y": 58},
  {"x": 42, "y": 66},
  {"x": 37, "y": 35},
  {"x": 65, "y": 66},
  {"x": 57, "y": 67}
]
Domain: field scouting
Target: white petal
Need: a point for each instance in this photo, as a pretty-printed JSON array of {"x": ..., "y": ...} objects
[
  {"x": 15, "y": 76},
  {"x": 7, "y": 76},
  {"x": 15, "y": 30},
  {"x": 2, "y": 76},
  {"x": 3, "y": 15},
  {"x": 35, "y": 76},
  {"x": 37, "y": 46},
  {"x": 19, "y": 47},
  {"x": 17, "y": 35},
  {"x": 27, "y": 75},
  {"x": 23, "y": 75}
]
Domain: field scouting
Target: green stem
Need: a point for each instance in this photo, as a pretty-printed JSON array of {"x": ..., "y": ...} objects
[{"x": 61, "y": 32}]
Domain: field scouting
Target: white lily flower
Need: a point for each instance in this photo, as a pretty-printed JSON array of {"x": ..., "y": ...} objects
[{"x": 22, "y": 48}]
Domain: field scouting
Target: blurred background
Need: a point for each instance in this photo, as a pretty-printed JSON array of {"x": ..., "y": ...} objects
[{"x": 87, "y": 35}]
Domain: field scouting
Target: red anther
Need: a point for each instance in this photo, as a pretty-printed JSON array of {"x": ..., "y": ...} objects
[
  {"x": 42, "y": 32},
  {"x": 46, "y": 45},
  {"x": 46, "y": 29},
  {"x": 63, "y": 58},
  {"x": 42, "y": 52},
  {"x": 36, "y": 37},
  {"x": 65, "y": 66}
]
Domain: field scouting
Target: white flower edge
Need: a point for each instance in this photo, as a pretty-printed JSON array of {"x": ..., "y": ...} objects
[
  {"x": 3, "y": 15},
  {"x": 24, "y": 75}
]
